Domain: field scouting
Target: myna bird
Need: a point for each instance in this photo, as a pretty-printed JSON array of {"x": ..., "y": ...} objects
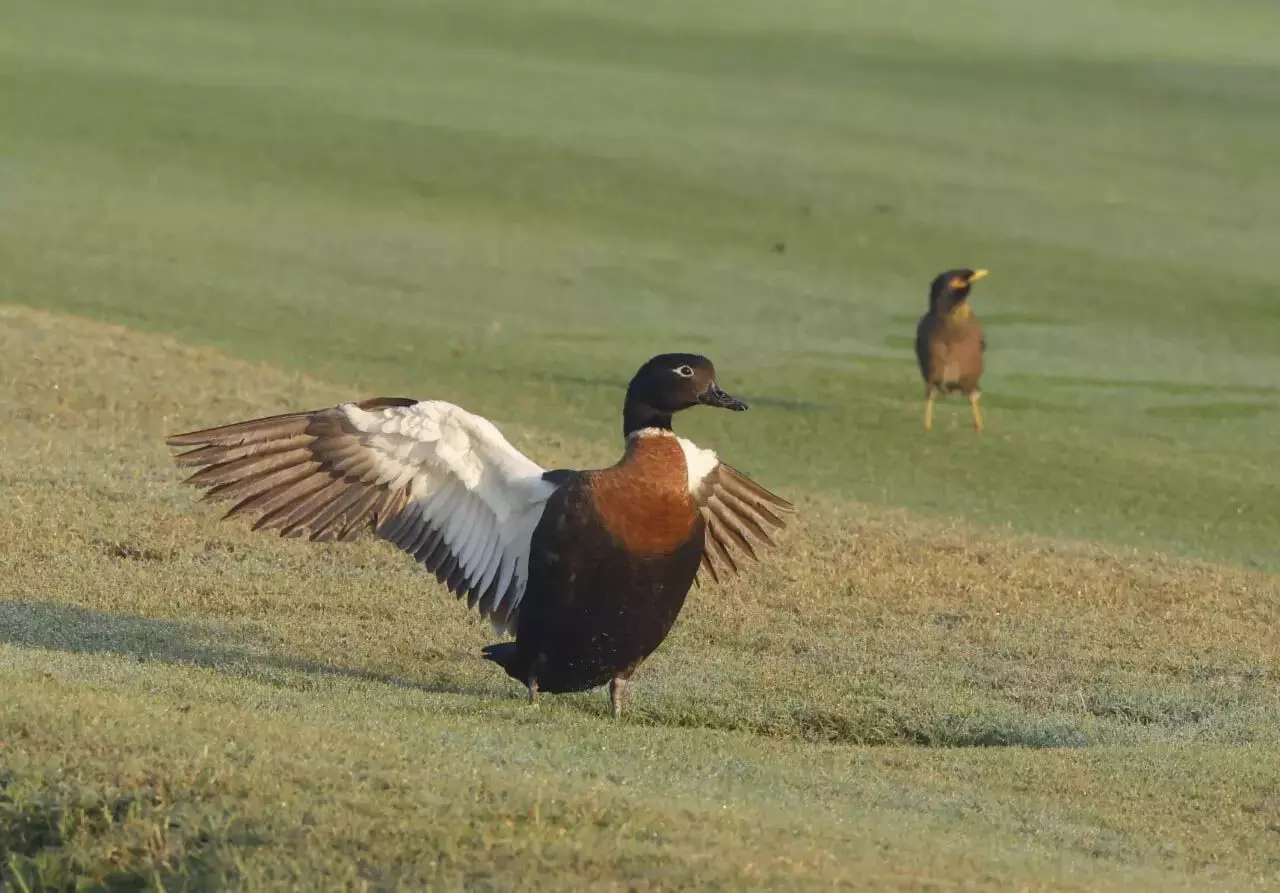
[
  {"x": 949, "y": 342},
  {"x": 587, "y": 569}
]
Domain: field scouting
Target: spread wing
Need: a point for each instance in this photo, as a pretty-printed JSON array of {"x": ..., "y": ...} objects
[
  {"x": 740, "y": 515},
  {"x": 442, "y": 484}
]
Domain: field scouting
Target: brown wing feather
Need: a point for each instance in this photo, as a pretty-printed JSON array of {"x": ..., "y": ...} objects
[
  {"x": 739, "y": 513},
  {"x": 308, "y": 472},
  {"x": 314, "y": 473}
]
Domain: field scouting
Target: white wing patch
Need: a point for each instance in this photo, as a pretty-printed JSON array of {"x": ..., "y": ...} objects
[
  {"x": 474, "y": 500},
  {"x": 698, "y": 462}
]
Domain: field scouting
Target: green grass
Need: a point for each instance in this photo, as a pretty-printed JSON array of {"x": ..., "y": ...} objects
[
  {"x": 513, "y": 204},
  {"x": 1041, "y": 658},
  {"x": 887, "y": 702}
]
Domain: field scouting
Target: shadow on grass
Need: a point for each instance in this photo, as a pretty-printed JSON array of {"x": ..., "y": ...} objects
[
  {"x": 872, "y": 722},
  {"x": 75, "y": 629}
]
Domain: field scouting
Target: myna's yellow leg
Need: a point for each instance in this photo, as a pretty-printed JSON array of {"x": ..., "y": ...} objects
[
  {"x": 977, "y": 413},
  {"x": 929, "y": 396}
]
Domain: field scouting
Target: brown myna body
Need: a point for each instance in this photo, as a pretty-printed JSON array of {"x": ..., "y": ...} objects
[{"x": 949, "y": 342}]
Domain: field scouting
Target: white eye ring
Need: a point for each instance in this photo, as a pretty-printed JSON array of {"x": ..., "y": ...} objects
[{"x": 684, "y": 372}]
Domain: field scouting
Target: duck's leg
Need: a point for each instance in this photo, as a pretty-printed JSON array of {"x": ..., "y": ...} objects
[
  {"x": 533, "y": 689},
  {"x": 930, "y": 395},
  {"x": 617, "y": 694},
  {"x": 974, "y": 397}
]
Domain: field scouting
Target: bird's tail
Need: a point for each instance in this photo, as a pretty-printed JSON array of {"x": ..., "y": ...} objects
[{"x": 508, "y": 656}]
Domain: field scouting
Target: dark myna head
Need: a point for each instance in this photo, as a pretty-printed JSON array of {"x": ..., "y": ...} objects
[{"x": 952, "y": 287}]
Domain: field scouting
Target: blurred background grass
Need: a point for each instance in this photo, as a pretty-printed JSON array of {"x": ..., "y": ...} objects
[{"x": 511, "y": 205}]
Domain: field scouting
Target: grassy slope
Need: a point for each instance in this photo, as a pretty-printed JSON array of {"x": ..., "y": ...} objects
[
  {"x": 190, "y": 703},
  {"x": 537, "y": 196}
]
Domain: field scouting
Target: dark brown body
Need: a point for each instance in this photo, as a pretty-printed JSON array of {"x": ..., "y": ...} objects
[
  {"x": 949, "y": 347},
  {"x": 612, "y": 561}
]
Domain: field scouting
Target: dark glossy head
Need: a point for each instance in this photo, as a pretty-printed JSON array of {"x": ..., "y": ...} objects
[
  {"x": 952, "y": 287},
  {"x": 669, "y": 383}
]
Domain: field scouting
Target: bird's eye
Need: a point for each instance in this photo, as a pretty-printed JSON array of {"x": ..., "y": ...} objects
[{"x": 685, "y": 372}]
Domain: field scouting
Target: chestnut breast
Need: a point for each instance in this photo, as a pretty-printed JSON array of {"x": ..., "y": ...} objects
[
  {"x": 644, "y": 500},
  {"x": 955, "y": 348}
]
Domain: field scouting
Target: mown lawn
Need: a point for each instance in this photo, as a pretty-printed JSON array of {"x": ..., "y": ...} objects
[
  {"x": 889, "y": 701},
  {"x": 1043, "y": 658}
]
